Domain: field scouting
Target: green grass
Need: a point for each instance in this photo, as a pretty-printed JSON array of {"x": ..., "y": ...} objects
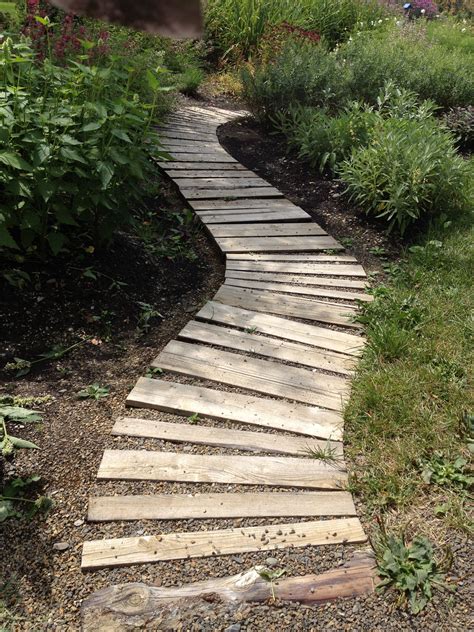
[{"x": 412, "y": 389}]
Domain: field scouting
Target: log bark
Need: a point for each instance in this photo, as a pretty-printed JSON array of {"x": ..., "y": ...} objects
[{"x": 128, "y": 606}]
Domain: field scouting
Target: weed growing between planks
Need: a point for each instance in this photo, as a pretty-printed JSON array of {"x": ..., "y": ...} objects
[{"x": 410, "y": 396}]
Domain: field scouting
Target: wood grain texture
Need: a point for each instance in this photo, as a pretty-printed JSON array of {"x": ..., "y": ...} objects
[
  {"x": 208, "y": 194},
  {"x": 186, "y": 399},
  {"x": 223, "y": 437},
  {"x": 253, "y": 374},
  {"x": 297, "y": 279},
  {"x": 173, "y": 546},
  {"x": 282, "y": 328},
  {"x": 277, "y": 244},
  {"x": 118, "y": 608},
  {"x": 223, "y": 204},
  {"x": 303, "y": 267},
  {"x": 184, "y": 165},
  {"x": 292, "y": 257},
  {"x": 189, "y": 157},
  {"x": 146, "y": 465},
  {"x": 308, "y": 290},
  {"x": 292, "y": 306},
  {"x": 208, "y": 506},
  {"x": 274, "y": 216},
  {"x": 267, "y": 230},
  {"x": 210, "y": 173},
  {"x": 220, "y": 183},
  {"x": 261, "y": 345}
]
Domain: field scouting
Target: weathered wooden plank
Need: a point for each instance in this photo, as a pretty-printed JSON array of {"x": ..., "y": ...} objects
[
  {"x": 119, "y": 607},
  {"x": 277, "y": 244},
  {"x": 223, "y": 437},
  {"x": 292, "y": 257},
  {"x": 263, "y": 212},
  {"x": 195, "y": 148},
  {"x": 172, "y": 135},
  {"x": 261, "y": 376},
  {"x": 282, "y": 328},
  {"x": 207, "y": 158},
  {"x": 276, "y": 349},
  {"x": 185, "y": 165},
  {"x": 220, "y": 183},
  {"x": 304, "y": 267},
  {"x": 207, "y": 506},
  {"x": 258, "y": 191},
  {"x": 267, "y": 230},
  {"x": 202, "y": 205},
  {"x": 172, "y": 546},
  {"x": 187, "y": 399},
  {"x": 210, "y": 173},
  {"x": 147, "y": 465},
  {"x": 307, "y": 290},
  {"x": 298, "y": 279},
  {"x": 292, "y": 306},
  {"x": 274, "y": 216}
]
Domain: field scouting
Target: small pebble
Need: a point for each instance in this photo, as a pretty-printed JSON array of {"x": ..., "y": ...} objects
[
  {"x": 61, "y": 546},
  {"x": 78, "y": 523},
  {"x": 271, "y": 561}
]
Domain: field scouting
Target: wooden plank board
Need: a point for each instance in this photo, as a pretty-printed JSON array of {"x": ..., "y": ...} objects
[
  {"x": 210, "y": 173},
  {"x": 172, "y": 546},
  {"x": 195, "y": 148},
  {"x": 170, "y": 135},
  {"x": 261, "y": 376},
  {"x": 185, "y": 165},
  {"x": 263, "y": 212},
  {"x": 187, "y": 399},
  {"x": 282, "y": 328},
  {"x": 277, "y": 349},
  {"x": 258, "y": 191},
  {"x": 220, "y": 183},
  {"x": 292, "y": 306},
  {"x": 214, "y": 505},
  {"x": 274, "y": 216},
  {"x": 297, "y": 279},
  {"x": 147, "y": 465},
  {"x": 277, "y": 244},
  {"x": 267, "y": 230},
  {"x": 307, "y": 290},
  {"x": 293, "y": 257},
  {"x": 202, "y": 205},
  {"x": 222, "y": 437},
  {"x": 189, "y": 157},
  {"x": 304, "y": 267}
]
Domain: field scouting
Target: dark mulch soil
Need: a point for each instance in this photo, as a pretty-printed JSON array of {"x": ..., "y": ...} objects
[{"x": 266, "y": 153}]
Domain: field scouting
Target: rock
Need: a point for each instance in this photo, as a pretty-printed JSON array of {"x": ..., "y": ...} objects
[
  {"x": 78, "y": 523},
  {"x": 271, "y": 561},
  {"x": 355, "y": 608},
  {"x": 61, "y": 546},
  {"x": 235, "y": 627}
]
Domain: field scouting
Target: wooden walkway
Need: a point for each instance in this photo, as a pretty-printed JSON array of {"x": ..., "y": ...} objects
[{"x": 280, "y": 335}]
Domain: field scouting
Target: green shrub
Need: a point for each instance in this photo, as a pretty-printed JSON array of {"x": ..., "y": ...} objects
[
  {"x": 189, "y": 81},
  {"x": 460, "y": 121},
  {"x": 302, "y": 74},
  {"x": 236, "y": 27},
  {"x": 324, "y": 140},
  {"x": 75, "y": 143},
  {"x": 409, "y": 170},
  {"x": 406, "y": 55}
]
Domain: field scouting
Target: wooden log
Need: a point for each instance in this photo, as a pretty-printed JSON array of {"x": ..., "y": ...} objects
[{"x": 127, "y": 606}]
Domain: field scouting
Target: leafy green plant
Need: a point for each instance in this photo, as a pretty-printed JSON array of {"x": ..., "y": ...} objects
[
  {"x": 147, "y": 314},
  {"x": 75, "y": 156},
  {"x": 189, "y": 80},
  {"x": 460, "y": 121},
  {"x": 15, "y": 414},
  {"x": 153, "y": 371},
  {"x": 408, "y": 171},
  {"x": 440, "y": 471},
  {"x": 271, "y": 575},
  {"x": 94, "y": 391},
  {"x": 194, "y": 418},
  {"x": 15, "y": 504},
  {"x": 410, "y": 569},
  {"x": 21, "y": 367}
]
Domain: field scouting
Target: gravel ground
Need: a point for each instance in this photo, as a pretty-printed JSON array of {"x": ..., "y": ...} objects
[{"x": 46, "y": 584}]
